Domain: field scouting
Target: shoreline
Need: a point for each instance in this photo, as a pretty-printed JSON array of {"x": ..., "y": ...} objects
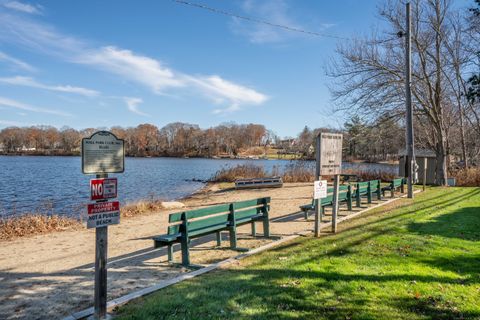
[
  {"x": 215, "y": 157},
  {"x": 33, "y": 224},
  {"x": 51, "y": 274}
]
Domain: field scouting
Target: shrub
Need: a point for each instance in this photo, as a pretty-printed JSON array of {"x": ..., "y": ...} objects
[
  {"x": 241, "y": 171},
  {"x": 467, "y": 177}
]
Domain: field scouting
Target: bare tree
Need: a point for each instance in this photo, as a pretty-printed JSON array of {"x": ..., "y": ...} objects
[{"x": 369, "y": 74}]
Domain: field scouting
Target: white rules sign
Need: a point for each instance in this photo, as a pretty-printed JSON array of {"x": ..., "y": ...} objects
[
  {"x": 320, "y": 189},
  {"x": 102, "y": 153}
]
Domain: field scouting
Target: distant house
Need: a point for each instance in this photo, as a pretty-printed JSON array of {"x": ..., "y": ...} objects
[{"x": 24, "y": 148}]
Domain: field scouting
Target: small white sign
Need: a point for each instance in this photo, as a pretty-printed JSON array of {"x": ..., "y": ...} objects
[{"x": 320, "y": 189}]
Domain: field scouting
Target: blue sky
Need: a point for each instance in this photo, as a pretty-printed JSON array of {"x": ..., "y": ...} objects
[{"x": 103, "y": 63}]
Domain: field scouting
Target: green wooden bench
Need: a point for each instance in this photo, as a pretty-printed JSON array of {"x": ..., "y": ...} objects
[
  {"x": 394, "y": 185},
  {"x": 367, "y": 188},
  {"x": 344, "y": 195},
  {"x": 187, "y": 225}
]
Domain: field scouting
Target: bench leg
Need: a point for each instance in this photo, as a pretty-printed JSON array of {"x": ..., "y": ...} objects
[
  {"x": 219, "y": 238},
  {"x": 322, "y": 212},
  {"x": 402, "y": 188},
  {"x": 305, "y": 213},
  {"x": 349, "y": 203},
  {"x": 266, "y": 227},
  {"x": 185, "y": 252},
  {"x": 379, "y": 195},
  {"x": 254, "y": 230},
  {"x": 369, "y": 197},
  {"x": 170, "y": 252},
  {"x": 233, "y": 237},
  {"x": 358, "y": 200}
]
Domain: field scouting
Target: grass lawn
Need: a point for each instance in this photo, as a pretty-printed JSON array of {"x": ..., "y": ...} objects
[{"x": 419, "y": 261}]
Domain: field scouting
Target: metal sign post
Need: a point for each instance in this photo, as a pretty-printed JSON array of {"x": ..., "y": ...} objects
[
  {"x": 329, "y": 162},
  {"x": 101, "y": 246},
  {"x": 102, "y": 153}
]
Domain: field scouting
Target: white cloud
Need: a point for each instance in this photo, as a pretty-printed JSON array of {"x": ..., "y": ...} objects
[
  {"x": 23, "y": 7},
  {"x": 22, "y": 106},
  {"x": 146, "y": 71},
  {"x": 138, "y": 68},
  {"x": 30, "y": 82},
  {"x": 132, "y": 104},
  {"x": 222, "y": 91},
  {"x": 16, "y": 62}
]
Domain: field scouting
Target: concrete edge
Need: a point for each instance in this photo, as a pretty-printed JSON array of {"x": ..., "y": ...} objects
[{"x": 165, "y": 283}]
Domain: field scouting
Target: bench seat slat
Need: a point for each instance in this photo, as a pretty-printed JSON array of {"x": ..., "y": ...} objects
[{"x": 167, "y": 237}]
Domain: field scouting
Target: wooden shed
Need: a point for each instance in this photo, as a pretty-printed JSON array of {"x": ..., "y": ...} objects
[{"x": 421, "y": 156}]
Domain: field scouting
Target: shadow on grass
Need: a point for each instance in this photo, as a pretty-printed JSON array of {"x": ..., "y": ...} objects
[
  {"x": 270, "y": 289},
  {"x": 462, "y": 224},
  {"x": 435, "y": 307},
  {"x": 276, "y": 293}
]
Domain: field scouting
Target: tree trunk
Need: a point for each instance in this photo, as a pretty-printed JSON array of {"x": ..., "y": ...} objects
[{"x": 441, "y": 168}]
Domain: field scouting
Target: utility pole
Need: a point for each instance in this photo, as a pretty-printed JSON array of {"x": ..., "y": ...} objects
[{"x": 408, "y": 97}]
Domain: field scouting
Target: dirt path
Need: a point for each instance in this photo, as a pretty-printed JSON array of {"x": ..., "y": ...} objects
[{"x": 50, "y": 276}]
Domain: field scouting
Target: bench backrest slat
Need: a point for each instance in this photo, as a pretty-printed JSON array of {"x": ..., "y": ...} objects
[
  {"x": 250, "y": 203},
  {"x": 173, "y": 229},
  {"x": 222, "y": 208},
  {"x": 397, "y": 182},
  {"x": 222, "y": 219},
  {"x": 374, "y": 184},
  {"x": 248, "y": 213},
  {"x": 198, "y": 213},
  {"x": 362, "y": 186}
]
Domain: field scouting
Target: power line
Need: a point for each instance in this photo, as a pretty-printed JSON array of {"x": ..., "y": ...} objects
[{"x": 257, "y": 20}]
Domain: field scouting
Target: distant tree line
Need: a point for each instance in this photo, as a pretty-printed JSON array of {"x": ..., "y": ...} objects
[
  {"x": 372, "y": 142},
  {"x": 174, "y": 139}
]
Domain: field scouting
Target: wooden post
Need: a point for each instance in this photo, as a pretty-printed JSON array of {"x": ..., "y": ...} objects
[
  {"x": 336, "y": 183},
  {"x": 424, "y": 173},
  {"x": 101, "y": 245},
  {"x": 317, "y": 177},
  {"x": 185, "y": 241},
  {"x": 233, "y": 228}
]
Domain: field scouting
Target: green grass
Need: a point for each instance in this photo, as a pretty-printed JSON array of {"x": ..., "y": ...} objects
[{"x": 419, "y": 261}]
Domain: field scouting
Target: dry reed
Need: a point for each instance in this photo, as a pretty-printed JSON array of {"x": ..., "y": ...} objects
[
  {"x": 33, "y": 224},
  {"x": 140, "y": 207}
]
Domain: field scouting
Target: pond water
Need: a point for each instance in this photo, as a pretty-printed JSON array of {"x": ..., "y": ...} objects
[{"x": 57, "y": 185}]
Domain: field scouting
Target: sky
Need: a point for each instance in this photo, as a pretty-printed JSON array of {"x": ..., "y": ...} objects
[{"x": 106, "y": 63}]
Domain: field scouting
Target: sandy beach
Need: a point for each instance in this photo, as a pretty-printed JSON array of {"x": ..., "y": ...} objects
[{"x": 51, "y": 275}]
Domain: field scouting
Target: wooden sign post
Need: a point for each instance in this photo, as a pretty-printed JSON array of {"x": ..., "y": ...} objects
[
  {"x": 329, "y": 162},
  {"x": 318, "y": 217},
  {"x": 102, "y": 153}
]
